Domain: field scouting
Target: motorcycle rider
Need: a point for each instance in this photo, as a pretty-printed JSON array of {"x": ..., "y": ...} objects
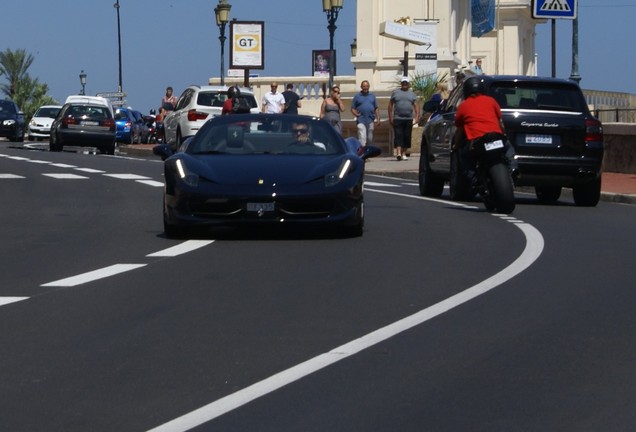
[{"x": 479, "y": 115}]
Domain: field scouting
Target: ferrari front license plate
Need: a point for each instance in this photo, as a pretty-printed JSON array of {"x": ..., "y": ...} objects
[{"x": 261, "y": 207}]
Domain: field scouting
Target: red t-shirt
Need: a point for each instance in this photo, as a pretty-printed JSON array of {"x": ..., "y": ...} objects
[
  {"x": 227, "y": 107},
  {"x": 478, "y": 115}
]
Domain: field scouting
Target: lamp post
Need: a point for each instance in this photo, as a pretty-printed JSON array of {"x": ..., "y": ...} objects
[
  {"x": 222, "y": 13},
  {"x": 82, "y": 77},
  {"x": 116, "y": 6},
  {"x": 332, "y": 9},
  {"x": 574, "y": 76}
]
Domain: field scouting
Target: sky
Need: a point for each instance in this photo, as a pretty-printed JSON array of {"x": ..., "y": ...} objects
[{"x": 176, "y": 43}]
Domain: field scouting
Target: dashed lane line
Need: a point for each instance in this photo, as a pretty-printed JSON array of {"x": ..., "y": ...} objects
[
  {"x": 93, "y": 275},
  {"x": 9, "y": 300}
]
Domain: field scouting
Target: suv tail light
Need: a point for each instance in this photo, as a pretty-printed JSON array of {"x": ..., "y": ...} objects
[
  {"x": 593, "y": 130},
  {"x": 194, "y": 115}
]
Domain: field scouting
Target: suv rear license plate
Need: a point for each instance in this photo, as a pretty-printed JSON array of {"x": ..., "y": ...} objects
[
  {"x": 538, "y": 139},
  {"x": 494, "y": 145},
  {"x": 90, "y": 123},
  {"x": 261, "y": 207}
]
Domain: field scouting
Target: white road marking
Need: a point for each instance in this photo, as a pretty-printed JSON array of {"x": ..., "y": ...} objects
[
  {"x": 65, "y": 176},
  {"x": 90, "y": 170},
  {"x": 532, "y": 251},
  {"x": 93, "y": 275},
  {"x": 370, "y": 183},
  {"x": 9, "y": 300},
  {"x": 152, "y": 183},
  {"x": 10, "y": 176},
  {"x": 37, "y": 161},
  {"x": 61, "y": 165},
  {"x": 127, "y": 176},
  {"x": 182, "y": 248}
]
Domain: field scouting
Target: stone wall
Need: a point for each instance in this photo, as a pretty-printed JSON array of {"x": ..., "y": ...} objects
[{"x": 620, "y": 147}]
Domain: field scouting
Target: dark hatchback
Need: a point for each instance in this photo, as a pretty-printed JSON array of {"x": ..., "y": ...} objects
[
  {"x": 557, "y": 141},
  {"x": 84, "y": 121},
  {"x": 11, "y": 121}
]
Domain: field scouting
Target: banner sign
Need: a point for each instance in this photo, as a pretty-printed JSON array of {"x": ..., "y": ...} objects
[{"x": 247, "y": 44}]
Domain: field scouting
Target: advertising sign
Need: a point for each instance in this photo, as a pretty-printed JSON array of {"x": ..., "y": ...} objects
[
  {"x": 320, "y": 63},
  {"x": 426, "y": 55},
  {"x": 247, "y": 40}
]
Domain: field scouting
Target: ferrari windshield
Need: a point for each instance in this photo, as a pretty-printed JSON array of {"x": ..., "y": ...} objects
[{"x": 266, "y": 134}]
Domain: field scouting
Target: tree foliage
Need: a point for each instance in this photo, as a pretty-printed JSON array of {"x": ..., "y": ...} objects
[{"x": 27, "y": 92}]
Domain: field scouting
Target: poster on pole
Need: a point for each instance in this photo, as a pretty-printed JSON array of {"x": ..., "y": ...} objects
[
  {"x": 320, "y": 63},
  {"x": 247, "y": 44}
]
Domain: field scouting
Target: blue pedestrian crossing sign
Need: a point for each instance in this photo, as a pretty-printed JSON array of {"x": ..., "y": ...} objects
[{"x": 554, "y": 9}]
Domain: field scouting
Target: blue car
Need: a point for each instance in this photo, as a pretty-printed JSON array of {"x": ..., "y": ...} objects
[
  {"x": 264, "y": 170},
  {"x": 128, "y": 130}
]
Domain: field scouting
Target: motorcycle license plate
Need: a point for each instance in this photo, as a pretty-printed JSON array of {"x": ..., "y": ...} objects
[{"x": 494, "y": 145}]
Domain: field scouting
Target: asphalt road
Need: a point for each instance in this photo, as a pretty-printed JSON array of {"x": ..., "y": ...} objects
[{"x": 442, "y": 317}]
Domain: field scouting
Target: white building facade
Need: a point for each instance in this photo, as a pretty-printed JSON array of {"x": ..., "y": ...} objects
[{"x": 508, "y": 49}]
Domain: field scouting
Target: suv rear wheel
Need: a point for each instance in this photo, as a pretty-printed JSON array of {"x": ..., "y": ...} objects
[{"x": 587, "y": 194}]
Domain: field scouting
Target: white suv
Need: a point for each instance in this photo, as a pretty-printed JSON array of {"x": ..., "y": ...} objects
[{"x": 195, "y": 106}]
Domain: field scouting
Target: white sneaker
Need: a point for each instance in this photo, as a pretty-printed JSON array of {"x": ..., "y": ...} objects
[{"x": 404, "y": 157}]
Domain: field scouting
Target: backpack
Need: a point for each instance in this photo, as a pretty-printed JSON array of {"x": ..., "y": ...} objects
[{"x": 240, "y": 105}]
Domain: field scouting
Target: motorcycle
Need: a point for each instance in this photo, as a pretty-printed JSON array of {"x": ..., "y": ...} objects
[{"x": 491, "y": 177}]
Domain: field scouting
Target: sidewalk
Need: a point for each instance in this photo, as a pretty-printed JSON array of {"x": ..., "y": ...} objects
[{"x": 615, "y": 187}]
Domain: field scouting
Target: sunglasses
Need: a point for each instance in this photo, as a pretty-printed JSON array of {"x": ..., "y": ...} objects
[{"x": 300, "y": 131}]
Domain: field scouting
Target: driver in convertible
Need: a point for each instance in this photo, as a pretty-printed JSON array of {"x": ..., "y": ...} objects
[
  {"x": 477, "y": 116},
  {"x": 302, "y": 140}
]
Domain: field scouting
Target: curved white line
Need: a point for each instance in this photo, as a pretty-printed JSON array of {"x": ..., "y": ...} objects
[{"x": 532, "y": 251}]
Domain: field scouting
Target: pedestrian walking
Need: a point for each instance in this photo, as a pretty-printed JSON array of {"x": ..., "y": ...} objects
[
  {"x": 403, "y": 114},
  {"x": 364, "y": 107},
  {"x": 331, "y": 108},
  {"x": 292, "y": 100},
  {"x": 273, "y": 102}
]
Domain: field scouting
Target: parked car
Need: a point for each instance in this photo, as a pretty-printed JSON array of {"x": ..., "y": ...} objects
[
  {"x": 264, "y": 169},
  {"x": 128, "y": 129},
  {"x": 194, "y": 107},
  {"x": 558, "y": 143},
  {"x": 11, "y": 121},
  {"x": 40, "y": 124},
  {"x": 84, "y": 121},
  {"x": 144, "y": 130}
]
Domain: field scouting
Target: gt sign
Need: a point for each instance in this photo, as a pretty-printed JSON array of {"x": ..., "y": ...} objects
[
  {"x": 554, "y": 9},
  {"x": 246, "y": 47}
]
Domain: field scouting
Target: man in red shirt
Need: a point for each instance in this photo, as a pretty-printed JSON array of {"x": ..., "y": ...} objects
[{"x": 478, "y": 115}]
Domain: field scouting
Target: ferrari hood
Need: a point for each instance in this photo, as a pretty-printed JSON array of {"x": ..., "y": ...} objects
[{"x": 267, "y": 168}]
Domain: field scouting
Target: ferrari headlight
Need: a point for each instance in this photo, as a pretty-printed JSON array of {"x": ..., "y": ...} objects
[
  {"x": 8, "y": 122},
  {"x": 186, "y": 176},
  {"x": 334, "y": 178}
]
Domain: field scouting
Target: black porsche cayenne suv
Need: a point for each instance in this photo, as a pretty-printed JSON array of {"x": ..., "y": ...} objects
[{"x": 557, "y": 141}]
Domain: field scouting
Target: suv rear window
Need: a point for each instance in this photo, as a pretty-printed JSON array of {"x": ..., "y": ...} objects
[
  {"x": 216, "y": 99},
  {"x": 540, "y": 96}
]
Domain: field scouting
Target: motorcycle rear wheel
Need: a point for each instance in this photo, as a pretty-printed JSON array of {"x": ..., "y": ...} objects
[{"x": 501, "y": 190}]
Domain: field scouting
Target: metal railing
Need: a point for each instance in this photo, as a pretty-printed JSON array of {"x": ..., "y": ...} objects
[
  {"x": 612, "y": 107},
  {"x": 616, "y": 115}
]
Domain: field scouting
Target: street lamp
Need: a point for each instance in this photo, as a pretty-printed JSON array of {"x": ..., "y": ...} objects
[
  {"x": 222, "y": 13},
  {"x": 332, "y": 9},
  {"x": 116, "y": 6},
  {"x": 82, "y": 76},
  {"x": 354, "y": 47}
]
